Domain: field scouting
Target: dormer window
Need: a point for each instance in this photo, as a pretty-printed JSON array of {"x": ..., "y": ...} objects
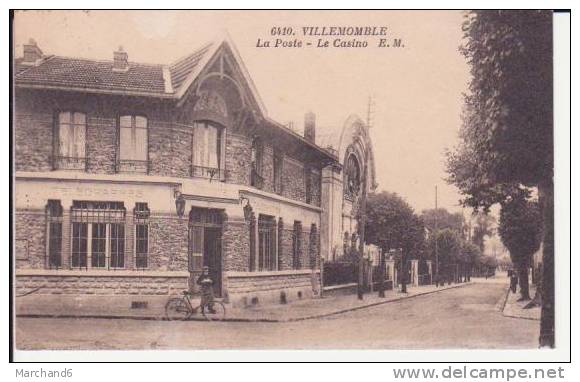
[{"x": 133, "y": 144}]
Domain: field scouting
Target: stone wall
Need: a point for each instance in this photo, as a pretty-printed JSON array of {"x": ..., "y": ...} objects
[
  {"x": 236, "y": 246},
  {"x": 256, "y": 289},
  {"x": 101, "y": 144},
  {"x": 238, "y": 159},
  {"x": 33, "y": 140},
  {"x": 286, "y": 250},
  {"x": 169, "y": 149},
  {"x": 100, "y": 285},
  {"x": 168, "y": 240},
  {"x": 30, "y": 239},
  {"x": 293, "y": 180}
]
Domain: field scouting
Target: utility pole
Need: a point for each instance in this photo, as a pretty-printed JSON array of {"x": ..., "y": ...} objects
[
  {"x": 436, "y": 244},
  {"x": 363, "y": 211}
]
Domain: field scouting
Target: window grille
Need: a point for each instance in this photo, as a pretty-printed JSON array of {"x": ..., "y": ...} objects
[
  {"x": 266, "y": 243},
  {"x": 98, "y": 234}
]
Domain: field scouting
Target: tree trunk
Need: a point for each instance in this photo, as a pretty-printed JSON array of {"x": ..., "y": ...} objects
[
  {"x": 547, "y": 336},
  {"x": 524, "y": 281}
]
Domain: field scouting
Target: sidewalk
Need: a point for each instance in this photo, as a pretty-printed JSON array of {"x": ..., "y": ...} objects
[
  {"x": 515, "y": 309},
  {"x": 120, "y": 306}
]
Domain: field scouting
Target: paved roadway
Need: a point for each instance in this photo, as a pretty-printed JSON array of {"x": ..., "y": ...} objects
[{"x": 464, "y": 317}]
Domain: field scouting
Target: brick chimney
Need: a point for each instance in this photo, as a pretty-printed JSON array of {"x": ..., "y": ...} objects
[
  {"x": 120, "y": 60},
  {"x": 32, "y": 52},
  {"x": 310, "y": 126}
]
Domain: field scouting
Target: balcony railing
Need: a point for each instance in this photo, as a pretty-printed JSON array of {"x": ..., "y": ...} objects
[
  {"x": 132, "y": 166},
  {"x": 211, "y": 173},
  {"x": 70, "y": 163}
]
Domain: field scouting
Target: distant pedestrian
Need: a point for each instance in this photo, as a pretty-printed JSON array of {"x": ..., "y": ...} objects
[{"x": 513, "y": 282}]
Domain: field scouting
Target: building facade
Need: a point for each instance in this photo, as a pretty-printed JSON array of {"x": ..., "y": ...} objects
[
  {"x": 129, "y": 178},
  {"x": 342, "y": 185}
]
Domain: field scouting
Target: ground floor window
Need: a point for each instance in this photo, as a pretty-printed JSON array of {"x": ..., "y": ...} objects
[
  {"x": 54, "y": 232},
  {"x": 141, "y": 245},
  {"x": 141, "y": 219},
  {"x": 98, "y": 234},
  {"x": 296, "y": 244},
  {"x": 266, "y": 243}
]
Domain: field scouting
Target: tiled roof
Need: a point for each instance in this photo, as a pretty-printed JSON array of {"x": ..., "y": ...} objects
[
  {"x": 85, "y": 74},
  {"x": 183, "y": 67}
]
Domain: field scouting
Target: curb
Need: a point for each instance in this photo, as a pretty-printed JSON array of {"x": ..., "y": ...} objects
[
  {"x": 371, "y": 305},
  {"x": 266, "y": 320},
  {"x": 510, "y": 315}
]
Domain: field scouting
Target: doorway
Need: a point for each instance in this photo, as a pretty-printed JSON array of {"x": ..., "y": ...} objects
[{"x": 205, "y": 245}]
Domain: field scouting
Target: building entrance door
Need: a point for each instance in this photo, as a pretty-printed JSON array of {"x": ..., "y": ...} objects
[
  {"x": 205, "y": 246},
  {"x": 212, "y": 256}
]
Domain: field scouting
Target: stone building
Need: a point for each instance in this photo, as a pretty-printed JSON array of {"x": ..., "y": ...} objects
[
  {"x": 341, "y": 186},
  {"x": 130, "y": 177}
]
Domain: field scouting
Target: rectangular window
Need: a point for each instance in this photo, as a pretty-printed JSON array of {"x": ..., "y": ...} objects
[
  {"x": 79, "y": 245},
  {"x": 117, "y": 245},
  {"x": 296, "y": 244},
  {"x": 99, "y": 245},
  {"x": 72, "y": 128},
  {"x": 266, "y": 243},
  {"x": 98, "y": 234},
  {"x": 206, "y": 153},
  {"x": 54, "y": 232},
  {"x": 133, "y": 144},
  {"x": 141, "y": 245},
  {"x": 55, "y": 244},
  {"x": 278, "y": 168}
]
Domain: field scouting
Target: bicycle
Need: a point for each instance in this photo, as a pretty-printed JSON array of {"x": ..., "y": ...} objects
[{"x": 180, "y": 308}]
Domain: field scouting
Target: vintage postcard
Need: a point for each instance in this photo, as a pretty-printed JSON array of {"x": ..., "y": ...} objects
[{"x": 297, "y": 180}]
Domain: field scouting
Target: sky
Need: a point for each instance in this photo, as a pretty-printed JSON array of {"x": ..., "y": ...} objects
[{"x": 417, "y": 89}]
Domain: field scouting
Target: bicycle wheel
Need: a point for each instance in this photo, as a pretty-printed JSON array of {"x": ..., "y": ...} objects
[
  {"x": 176, "y": 309},
  {"x": 215, "y": 311}
]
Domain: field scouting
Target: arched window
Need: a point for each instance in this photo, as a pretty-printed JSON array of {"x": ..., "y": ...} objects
[
  {"x": 257, "y": 156},
  {"x": 352, "y": 177}
]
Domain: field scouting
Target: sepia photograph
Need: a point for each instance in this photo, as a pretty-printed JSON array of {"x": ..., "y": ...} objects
[{"x": 284, "y": 180}]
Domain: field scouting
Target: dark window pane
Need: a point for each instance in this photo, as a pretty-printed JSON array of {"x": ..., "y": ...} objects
[
  {"x": 117, "y": 245},
  {"x": 79, "y": 245},
  {"x": 98, "y": 243},
  {"x": 141, "y": 244},
  {"x": 55, "y": 245}
]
